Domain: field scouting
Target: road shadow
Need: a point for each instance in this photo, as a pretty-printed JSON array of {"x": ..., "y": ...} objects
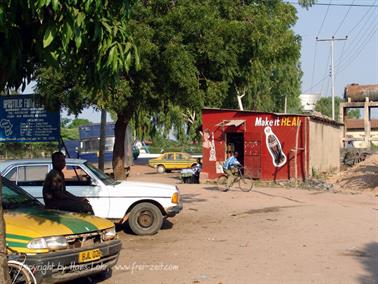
[
  {"x": 368, "y": 257},
  {"x": 211, "y": 188},
  {"x": 127, "y": 230},
  {"x": 192, "y": 198},
  {"x": 92, "y": 279},
  {"x": 167, "y": 225}
]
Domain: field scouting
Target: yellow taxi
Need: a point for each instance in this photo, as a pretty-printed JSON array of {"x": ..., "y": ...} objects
[
  {"x": 55, "y": 245},
  {"x": 172, "y": 161}
]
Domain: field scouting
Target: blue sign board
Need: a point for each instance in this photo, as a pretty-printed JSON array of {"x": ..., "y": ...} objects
[{"x": 23, "y": 119}]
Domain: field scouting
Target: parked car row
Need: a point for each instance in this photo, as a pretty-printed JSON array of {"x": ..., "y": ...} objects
[{"x": 65, "y": 242}]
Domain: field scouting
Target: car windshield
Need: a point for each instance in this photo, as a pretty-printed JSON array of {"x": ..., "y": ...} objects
[
  {"x": 101, "y": 175},
  {"x": 15, "y": 197}
]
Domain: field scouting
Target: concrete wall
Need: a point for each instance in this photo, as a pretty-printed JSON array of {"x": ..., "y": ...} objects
[{"x": 324, "y": 152}]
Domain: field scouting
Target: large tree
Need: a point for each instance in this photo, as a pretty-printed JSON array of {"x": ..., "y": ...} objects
[
  {"x": 193, "y": 54},
  {"x": 88, "y": 35},
  {"x": 205, "y": 53}
]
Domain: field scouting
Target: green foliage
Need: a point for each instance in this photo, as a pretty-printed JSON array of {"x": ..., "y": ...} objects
[
  {"x": 69, "y": 133},
  {"x": 306, "y": 3},
  {"x": 89, "y": 35},
  {"x": 193, "y": 54},
  {"x": 353, "y": 113},
  {"x": 324, "y": 106},
  {"x": 78, "y": 122},
  {"x": 27, "y": 150},
  {"x": 70, "y": 128},
  {"x": 201, "y": 53}
]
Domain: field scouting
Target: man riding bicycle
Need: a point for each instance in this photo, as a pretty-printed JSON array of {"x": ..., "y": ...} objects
[{"x": 230, "y": 168}]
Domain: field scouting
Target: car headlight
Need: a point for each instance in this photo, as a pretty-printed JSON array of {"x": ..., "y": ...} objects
[
  {"x": 175, "y": 198},
  {"x": 52, "y": 243},
  {"x": 109, "y": 234}
]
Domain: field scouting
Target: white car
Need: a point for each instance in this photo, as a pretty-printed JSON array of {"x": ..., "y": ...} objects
[{"x": 144, "y": 205}]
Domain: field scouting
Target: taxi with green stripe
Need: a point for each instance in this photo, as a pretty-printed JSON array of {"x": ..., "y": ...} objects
[{"x": 57, "y": 246}]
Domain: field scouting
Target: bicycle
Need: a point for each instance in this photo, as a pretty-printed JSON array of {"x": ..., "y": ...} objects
[
  {"x": 19, "y": 272},
  {"x": 245, "y": 183}
]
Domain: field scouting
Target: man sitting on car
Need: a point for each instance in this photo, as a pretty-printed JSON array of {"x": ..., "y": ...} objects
[{"x": 55, "y": 194}]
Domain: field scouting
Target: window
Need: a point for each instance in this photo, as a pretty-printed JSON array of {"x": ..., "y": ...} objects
[
  {"x": 15, "y": 197},
  {"x": 179, "y": 157},
  {"x": 75, "y": 175},
  {"x": 28, "y": 175},
  {"x": 93, "y": 144}
]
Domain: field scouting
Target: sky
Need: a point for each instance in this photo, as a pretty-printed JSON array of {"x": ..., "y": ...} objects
[{"x": 355, "y": 59}]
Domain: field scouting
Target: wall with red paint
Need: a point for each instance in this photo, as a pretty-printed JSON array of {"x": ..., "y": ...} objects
[{"x": 257, "y": 128}]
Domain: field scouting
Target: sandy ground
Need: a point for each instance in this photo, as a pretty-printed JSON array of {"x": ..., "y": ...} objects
[
  {"x": 361, "y": 177},
  {"x": 269, "y": 235}
]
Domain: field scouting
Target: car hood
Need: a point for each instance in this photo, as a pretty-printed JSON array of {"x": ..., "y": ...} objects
[
  {"x": 136, "y": 188},
  {"x": 22, "y": 225}
]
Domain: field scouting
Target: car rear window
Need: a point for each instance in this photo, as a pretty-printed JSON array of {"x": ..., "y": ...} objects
[{"x": 28, "y": 175}]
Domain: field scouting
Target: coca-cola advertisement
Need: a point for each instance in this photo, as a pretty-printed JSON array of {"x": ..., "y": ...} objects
[{"x": 274, "y": 147}]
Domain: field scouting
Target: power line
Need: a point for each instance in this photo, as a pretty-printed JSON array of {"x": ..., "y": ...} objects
[
  {"x": 362, "y": 18},
  {"x": 321, "y": 80},
  {"x": 313, "y": 64},
  {"x": 332, "y": 40},
  {"x": 336, "y": 4},
  {"x": 343, "y": 20},
  {"x": 364, "y": 35},
  {"x": 325, "y": 16},
  {"x": 326, "y": 72},
  {"x": 359, "y": 49}
]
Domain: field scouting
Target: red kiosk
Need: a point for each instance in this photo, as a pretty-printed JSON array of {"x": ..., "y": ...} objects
[{"x": 271, "y": 146}]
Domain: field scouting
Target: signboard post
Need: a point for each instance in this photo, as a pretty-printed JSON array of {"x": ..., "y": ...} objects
[{"x": 23, "y": 119}]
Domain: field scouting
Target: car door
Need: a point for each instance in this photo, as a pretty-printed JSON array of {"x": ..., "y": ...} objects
[
  {"x": 183, "y": 161},
  {"x": 169, "y": 161},
  {"x": 81, "y": 182},
  {"x": 30, "y": 178}
]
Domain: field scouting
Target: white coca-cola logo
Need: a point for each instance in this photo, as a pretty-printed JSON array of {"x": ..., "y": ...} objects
[{"x": 274, "y": 147}]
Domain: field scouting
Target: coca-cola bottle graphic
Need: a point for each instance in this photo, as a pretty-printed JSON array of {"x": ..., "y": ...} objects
[{"x": 274, "y": 147}]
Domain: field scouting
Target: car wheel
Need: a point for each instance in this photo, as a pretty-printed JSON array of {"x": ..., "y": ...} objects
[
  {"x": 160, "y": 169},
  {"x": 145, "y": 219}
]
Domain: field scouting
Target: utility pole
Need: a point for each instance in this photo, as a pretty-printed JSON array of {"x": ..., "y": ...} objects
[{"x": 332, "y": 40}]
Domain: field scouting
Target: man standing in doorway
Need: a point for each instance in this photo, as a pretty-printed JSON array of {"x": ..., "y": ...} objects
[
  {"x": 55, "y": 194},
  {"x": 230, "y": 168}
]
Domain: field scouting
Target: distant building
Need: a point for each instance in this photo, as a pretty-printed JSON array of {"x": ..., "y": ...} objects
[{"x": 309, "y": 101}]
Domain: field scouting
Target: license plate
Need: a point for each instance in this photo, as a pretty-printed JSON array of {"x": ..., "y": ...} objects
[{"x": 89, "y": 255}]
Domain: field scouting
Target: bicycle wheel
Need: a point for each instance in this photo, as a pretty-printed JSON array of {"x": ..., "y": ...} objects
[
  {"x": 20, "y": 273},
  {"x": 222, "y": 183},
  {"x": 245, "y": 184}
]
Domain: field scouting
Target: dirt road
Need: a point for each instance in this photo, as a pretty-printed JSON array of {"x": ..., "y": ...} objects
[{"x": 269, "y": 235}]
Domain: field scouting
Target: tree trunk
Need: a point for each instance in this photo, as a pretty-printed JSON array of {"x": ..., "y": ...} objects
[
  {"x": 119, "y": 147},
  {"x": 4, "y": 274},
  {"x": 101, "y": 155}
]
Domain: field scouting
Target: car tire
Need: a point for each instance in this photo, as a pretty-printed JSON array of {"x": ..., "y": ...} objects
[
  {"x": 160, "y": 169},
  {"x": 145, "y": 219}
]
